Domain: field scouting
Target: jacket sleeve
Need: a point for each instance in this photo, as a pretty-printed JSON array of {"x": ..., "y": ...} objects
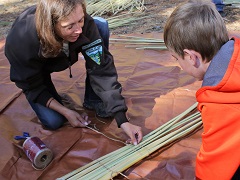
[
  {"x": 21, "y": 49},
  {"x": 102, "y": 73}
]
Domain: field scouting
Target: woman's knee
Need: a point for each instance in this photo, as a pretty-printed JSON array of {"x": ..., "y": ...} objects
[
  {"x": 103, "y": 29},
  {"x": 53, "y": 122},
  {"x": 49, "y": 118}
]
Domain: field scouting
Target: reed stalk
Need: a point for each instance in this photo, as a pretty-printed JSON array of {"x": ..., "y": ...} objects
[{"x": 139, "y": 42}]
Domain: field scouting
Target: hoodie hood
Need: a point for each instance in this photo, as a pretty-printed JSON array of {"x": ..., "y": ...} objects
[{"x": 221, "y": 83}]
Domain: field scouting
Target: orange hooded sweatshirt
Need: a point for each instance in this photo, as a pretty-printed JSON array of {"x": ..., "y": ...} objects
[{"x": 219, "y": 104}]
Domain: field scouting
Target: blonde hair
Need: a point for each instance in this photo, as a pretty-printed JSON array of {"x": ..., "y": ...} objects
[
  {"x": 196, "y": 25},
  {"x": 48, "y": 13}
]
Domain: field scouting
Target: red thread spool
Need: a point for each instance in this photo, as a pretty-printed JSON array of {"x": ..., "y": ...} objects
[{"x": 37, "y": 152}]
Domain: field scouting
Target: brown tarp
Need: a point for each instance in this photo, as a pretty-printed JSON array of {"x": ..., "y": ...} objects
[{"x": 155, "y": 89}]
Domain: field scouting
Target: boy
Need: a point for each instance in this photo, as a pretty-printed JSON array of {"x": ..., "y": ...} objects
[{"x": 197, "y": 37}]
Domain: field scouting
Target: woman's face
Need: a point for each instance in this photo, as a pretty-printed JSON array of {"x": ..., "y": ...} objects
[{"x": 70, "y": 27}]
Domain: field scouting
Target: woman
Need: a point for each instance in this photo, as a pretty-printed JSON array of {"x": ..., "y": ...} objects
[{"x": 47, "y": 38}]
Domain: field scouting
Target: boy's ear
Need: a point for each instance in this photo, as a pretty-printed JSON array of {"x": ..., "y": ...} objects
[{"x": 193, "y": 56}]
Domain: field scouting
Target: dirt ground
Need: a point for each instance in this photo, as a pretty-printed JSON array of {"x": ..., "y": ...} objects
[{"x": 156, "y": 12}]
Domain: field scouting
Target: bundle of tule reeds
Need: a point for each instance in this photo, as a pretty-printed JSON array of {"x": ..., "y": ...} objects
[
  {"x": 113, "y": 7},
  {"x": 114, "y": 163}
]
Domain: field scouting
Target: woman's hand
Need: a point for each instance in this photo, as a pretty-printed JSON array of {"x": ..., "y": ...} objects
[
  {"x": 77, "y": 120},
  {"x": 133, "y": 131}
]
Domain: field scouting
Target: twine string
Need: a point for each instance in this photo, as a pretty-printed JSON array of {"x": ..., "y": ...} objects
[{"x": 113, "y": 139}]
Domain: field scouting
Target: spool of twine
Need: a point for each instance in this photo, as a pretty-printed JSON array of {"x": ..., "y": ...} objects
[{"x": 37, "y": 152}]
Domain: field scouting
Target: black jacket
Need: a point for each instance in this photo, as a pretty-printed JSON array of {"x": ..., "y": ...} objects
[{"x": 28, "y": 67}]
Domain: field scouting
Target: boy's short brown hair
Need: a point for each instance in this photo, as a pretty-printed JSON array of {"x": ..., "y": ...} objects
[{"x": 196, "y": 25}]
